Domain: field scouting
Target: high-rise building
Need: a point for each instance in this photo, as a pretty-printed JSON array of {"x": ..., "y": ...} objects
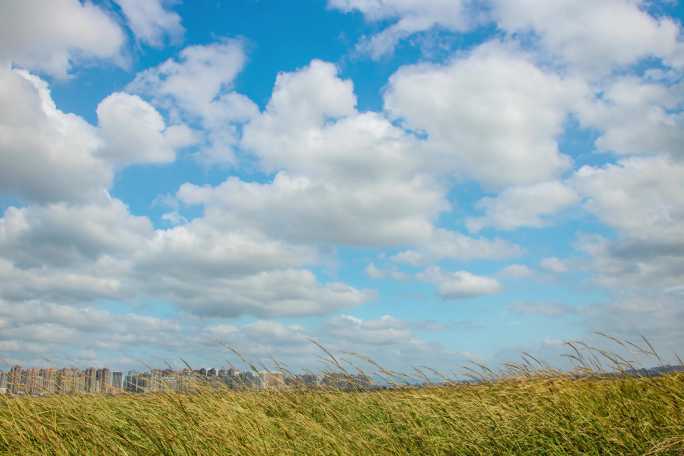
[
  {"x": 137, "y": 382},
  {"x": 14, "y": 380},
  {"x": 104, "y": 380},
  {"x": 70, "y": 381},
  {"x": 3, "y": 383},
  {"x": 342, "y": 381},
  {"x": 117, "y": 381},
  {"x": 48, "y": 380},
  {"x": 130, "y": 382},
  {"x": 30, "y": 381},
  {"x": 91, "y": 383}
]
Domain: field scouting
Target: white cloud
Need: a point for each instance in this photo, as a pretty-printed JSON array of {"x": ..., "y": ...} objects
[
  {"x": 279, "y": 293},
  {"x": 292, "y": 132},
  {"x": 643, "y": 200},
  {"x": 593, "y": 37},
  {"x": 174, "y": 218},
  {"x": 52, "y": 36},
  {"x": 490, "y": 110},
  {"x": 99, "y": 280},
  {"x": 36, "y": 328},
  {"x": 375, "y": 272},
  {"x": 553, "y": 264},
  {"x": 197, "y": 87},
  {"x": 62, "y": 235},
  {"x": 209, "y": 269},
  {"x": 635, "y": 266},
  {"x": 452, "y": 245},
  {"x": 306, "y": 210},
  {"x": 638, "y": 118},
  {"x": 81, "y": 253},
  {"x": 146, "y": 140},
  {"x": 460, "y": 284},
  {"x": 517, "y": 271},
  {"x": 359, "y": 148},
  {"x": 196, "y": 78},
  {"x": 529, "y": 206},
  {"x": 387, "y": 330},
  {"x": 409, "y": 17},
  {"x": 81, "y": 244},
  {"x": 45, "y": 154},
  {"x": 341, "y": 176},
  {"x": 151, "y": 21},
  {"x": 85, "y": 319}
]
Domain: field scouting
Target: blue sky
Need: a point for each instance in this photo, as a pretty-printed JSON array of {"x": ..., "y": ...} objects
[{"x": 426, "y": 182}]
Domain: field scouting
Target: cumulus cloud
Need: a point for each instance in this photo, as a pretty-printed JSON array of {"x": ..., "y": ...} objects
[
  {"x": 460, "y": 284},
  {"x": 68, "y": 253},
  {"x": 33, "y": 330},
  {"x": 209, "y": 271},
  {"x": 210, "y": 268},
  {"x": 147, "y": 140},
  {"x": 151, "y": 21},
  {"x": 64, "y": 235},
  {"x": 81, "y": 253},
  {"x": 101, "y": 280},
  {"x": 51, "y": 36},
  {"x": 84, "y": 319},
  {"x": 194, "y": 79},
  {"x": 81, "y": 245},
  {"x": 489, "y": 110},
  {"x": 332, "y": 176},
  {"x": 290, "y": 132},
  {"x": 517, "y": 271},
  {"x": 636, "y": 117},
  {"x": 408, "y": 18},
  {"x": 375, "y": 272},
  {"x": 642, "y": 199},
  {"x": 529, "y": 206},
  {"x": 592, "y": 37},
  {"x": 341, "y": 176},
  {"x": 197, "y": 87},
  {"x": 302, "y": 209},
  {"x": 451, "y": 245},
  {"x": 386, "y": 330},
  {"x": 553, "y": 264},
  {"x": 47, "y": 155}
]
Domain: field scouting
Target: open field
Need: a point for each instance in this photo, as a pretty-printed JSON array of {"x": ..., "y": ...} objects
[{"x": 526, "y": 415}]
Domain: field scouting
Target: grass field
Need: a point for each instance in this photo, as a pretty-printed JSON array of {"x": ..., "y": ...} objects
[
  {"x": 547, "y": 414},
  {"x": 602, "y": 407}
]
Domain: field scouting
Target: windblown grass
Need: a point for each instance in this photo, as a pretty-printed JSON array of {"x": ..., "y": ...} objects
[{"x": 544, "y": 412}]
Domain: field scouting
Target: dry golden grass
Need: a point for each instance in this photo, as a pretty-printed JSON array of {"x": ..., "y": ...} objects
[{"x": 524, "y": 412}]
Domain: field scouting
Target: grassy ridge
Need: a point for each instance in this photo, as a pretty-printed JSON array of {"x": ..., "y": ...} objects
[{"x": 534, "y": 415}]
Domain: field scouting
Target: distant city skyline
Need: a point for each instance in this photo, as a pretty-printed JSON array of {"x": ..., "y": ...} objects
[{"x": 44, "y": 381}]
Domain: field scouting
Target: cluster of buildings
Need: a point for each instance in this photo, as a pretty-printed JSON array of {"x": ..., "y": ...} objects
[
  {"x": 45, "y": 381},
  {"x": 41, "y": 381}
]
